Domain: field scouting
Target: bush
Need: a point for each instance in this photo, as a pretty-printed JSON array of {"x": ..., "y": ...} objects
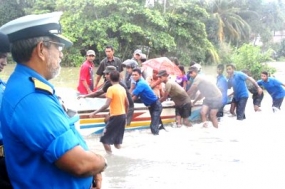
[{"x": 249, "y": 57}]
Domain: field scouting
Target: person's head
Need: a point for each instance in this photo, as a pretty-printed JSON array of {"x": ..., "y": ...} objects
[
  {"x": 4, "y": 49},
  {"x": 109, "y": 51},
  {"x": 137, "y": 55},
  {"x": 181, "y": 68},
  {"x": 143, "y": 58},
  {"x": 264, "y": 76},
  {"x": 174, "y": 60},
  {"x": 220, "y": 69},
  {"x": 114, "y": 76},
  {"x": 193, "y": 71},
  {"x": 130, "y": 64},
  {"x": 35, "y": 42},
  {"x": 90, "y": 55},
  {"x": 108, "y": 70},
  {"x": 163, "y": 75},
  {"x": 192, "y": 63},
  {"x": 136, "y": 74},
  {"x": 198, "y": 66},
  {"x": 154, "y": 74},
  {"x": 230, "y": 69}
]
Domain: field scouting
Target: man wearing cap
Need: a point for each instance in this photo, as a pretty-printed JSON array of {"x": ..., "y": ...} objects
[
  {"x": 104, "y": 89},
  {"x": 147, "y": 96},
  {"x": 86, "y": 78},
  {"x": 110, "y": 60},
  {"x": 179, "y": 96},
  {"x": 212, "y": 96},
  {"x": 42, "y": 147},
  {"x": 137, "y": 56},
  {"x": 4, "y": 49},
  {"x": 116, "y": 98},
  {"x": 130, "y": 64}
]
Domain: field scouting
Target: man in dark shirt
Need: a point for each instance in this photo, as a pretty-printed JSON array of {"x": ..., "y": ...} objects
[
  {"x": 104, "y": 89},
  {"x": 110, "y": 60}
]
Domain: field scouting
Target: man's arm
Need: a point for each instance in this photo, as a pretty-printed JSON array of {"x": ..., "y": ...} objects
[
  {"x": 259, "y": 89},
  {"x": 155, "y": 83},
  {"x": 192, "y": 91},
  {"x": 92, "y": 94},
  {"x": 126, "y": 105},
  {"x": 164, "y": 97},
  {"x": 105, "y": 106},
  {"x": 81, "y": 163},
  {"x": 97, "y": 81},
  {"x": 84, "y": 82}
]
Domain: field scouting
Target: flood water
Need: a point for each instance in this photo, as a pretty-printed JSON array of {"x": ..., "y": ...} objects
[{"x": 245, "y": 154}]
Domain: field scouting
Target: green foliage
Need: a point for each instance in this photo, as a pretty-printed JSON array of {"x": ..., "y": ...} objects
[
  {"x": 249, "y": 57},
  {"x": 126, "y": 25},
  {"x": 9, "y": 10}
]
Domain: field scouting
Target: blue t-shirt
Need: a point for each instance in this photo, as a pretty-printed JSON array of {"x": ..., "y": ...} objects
[
  {"x": 274, "y": 87},
  {"x": 36, "y": 133},
  {"x": 237, "y": 81},
  {"x": 222, "y": 84},
  {"x": 144, "y": 91},
  {"x": 2, "y": 88}
]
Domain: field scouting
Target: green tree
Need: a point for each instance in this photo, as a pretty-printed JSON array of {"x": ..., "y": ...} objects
[
  {"x": 251, "y": 58},
  {"x": 128, "y": 25},
  {"x": 9, "y": 10}
]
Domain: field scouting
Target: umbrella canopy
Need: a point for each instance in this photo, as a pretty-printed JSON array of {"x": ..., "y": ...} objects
[{"x": 162, "y": 63}]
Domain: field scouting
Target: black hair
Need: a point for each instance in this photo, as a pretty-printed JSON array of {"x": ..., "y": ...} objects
[
  {"x": 138, "y": 71},
  {"x": 192, "y": 63},
  {"x": 221, "y": 67},
  {"x": 182, "y": 69},
  {"x": 231, "y": 65},
  {"x": 115, "y": 76},
  {"x": 109, "y": 47},
  {"x": 265, "y": 73}
]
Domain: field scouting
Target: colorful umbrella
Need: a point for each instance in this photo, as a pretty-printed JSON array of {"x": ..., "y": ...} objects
[{"x": 162, "y": 63}]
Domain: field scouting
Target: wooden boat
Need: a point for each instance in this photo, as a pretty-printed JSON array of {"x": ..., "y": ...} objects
[{"x": 141, "y": 118}]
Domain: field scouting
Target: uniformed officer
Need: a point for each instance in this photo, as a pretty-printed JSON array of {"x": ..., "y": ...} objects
[{"x": 42, "y": 147}]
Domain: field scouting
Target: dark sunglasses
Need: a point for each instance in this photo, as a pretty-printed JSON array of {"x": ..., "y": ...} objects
[
  {"x": 190, "y": 72},
  {"x": 91, "y": 55}
]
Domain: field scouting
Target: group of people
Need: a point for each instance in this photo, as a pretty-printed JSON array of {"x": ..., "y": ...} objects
[{"x": 184, "y": 91}]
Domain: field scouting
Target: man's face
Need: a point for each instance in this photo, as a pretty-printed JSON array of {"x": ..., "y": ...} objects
[
  {"x": 53, "y": 59},
  {"x": 163, "y": 78},
  {"x": 90, "y": 58},
  {"x": 264, "y": 77},
  {"x": 109, "y": 52},
  {"x": 192, "y": 74},
  {"x": 219, "y": 71},
  {"x": 137, "y": 57},
  {"x": 154, "y": 74},
  {"x": 230, "y": 70},
  {"x": 3, "y": 61},
  {"x": 136, "y": 76},
  {"x": 107, "y": 76},
  {"x": 129, "y": 69}
]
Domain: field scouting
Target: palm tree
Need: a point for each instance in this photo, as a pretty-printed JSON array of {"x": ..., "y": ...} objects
[{"x": 230, "y": 26}]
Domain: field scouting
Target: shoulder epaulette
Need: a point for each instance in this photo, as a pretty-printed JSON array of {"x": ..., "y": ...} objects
[{"x": 41, "y": 85}]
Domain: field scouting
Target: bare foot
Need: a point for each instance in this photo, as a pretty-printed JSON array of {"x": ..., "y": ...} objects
[{"x": 205, "y": 125}]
